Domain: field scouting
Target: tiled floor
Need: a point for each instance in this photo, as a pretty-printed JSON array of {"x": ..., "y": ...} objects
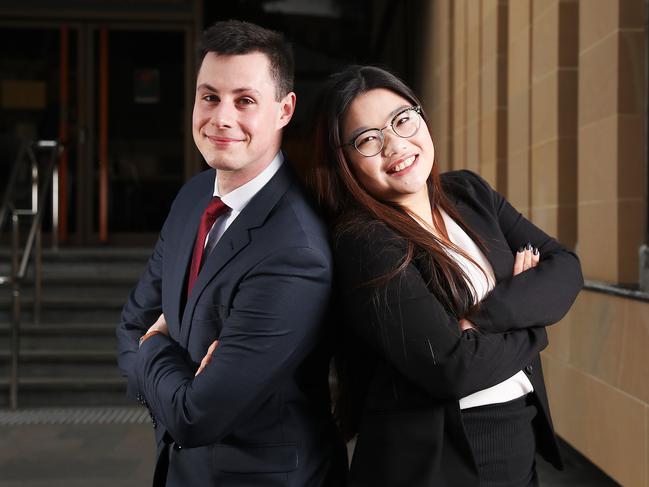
[
  {"x": 578, "y": 472},
  {"x": 97, "y": 455},
  {"x": 110, "y": 455}
]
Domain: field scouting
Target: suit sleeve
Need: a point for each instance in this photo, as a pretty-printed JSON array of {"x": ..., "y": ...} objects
[
  {"x": 141, "y": 310},
  {"x": 274, "y": 322},
  {"x": 537, "y": 297},
  {"x": 409, "y": 327}
]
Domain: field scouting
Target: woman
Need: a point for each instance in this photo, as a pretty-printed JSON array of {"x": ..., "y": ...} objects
[{"x": 443, "y": 313}]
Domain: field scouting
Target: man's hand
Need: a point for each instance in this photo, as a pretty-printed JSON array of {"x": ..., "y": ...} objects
[
  {"x": 160, "y": 326},
  {"x": 208, "y": 357}
]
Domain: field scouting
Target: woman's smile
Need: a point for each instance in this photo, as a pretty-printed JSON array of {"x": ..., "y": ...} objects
[
  {"x": 402, "y": 165},
  {"x": 399, "y": 171}
]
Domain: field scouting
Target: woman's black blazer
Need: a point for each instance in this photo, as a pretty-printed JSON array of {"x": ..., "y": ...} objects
[{"x": 416, "y": 363}]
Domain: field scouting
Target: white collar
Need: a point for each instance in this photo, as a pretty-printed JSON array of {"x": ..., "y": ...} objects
[{"x": 238, "y": 198}]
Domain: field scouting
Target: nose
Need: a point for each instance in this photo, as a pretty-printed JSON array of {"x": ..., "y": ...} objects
[
  {"x": 223, "y": 115},
  {"x": 392, "y": 143}
]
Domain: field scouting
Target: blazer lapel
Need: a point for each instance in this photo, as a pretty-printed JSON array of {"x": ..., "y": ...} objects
[
  {"x": 236, "y": 238},
  {"x": 497, "y": 252}
]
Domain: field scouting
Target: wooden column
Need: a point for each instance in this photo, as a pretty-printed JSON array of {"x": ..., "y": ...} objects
[{"x": 103, "y": 134}]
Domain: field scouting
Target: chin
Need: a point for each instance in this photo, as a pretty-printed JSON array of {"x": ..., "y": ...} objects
[{"x": 220, "y": 163}]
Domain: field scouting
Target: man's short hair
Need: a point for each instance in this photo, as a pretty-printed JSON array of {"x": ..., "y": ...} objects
[{"x": 231, "y": 37}]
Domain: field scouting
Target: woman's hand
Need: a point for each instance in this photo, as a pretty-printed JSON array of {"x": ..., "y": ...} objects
[
  {"x": 208, "y": 357},
  {"x": 466, "y": 325},
  {"x": 526, "y": 258}
]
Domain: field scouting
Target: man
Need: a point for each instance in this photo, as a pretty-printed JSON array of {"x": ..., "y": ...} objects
[{"x": 242, "y": 267}]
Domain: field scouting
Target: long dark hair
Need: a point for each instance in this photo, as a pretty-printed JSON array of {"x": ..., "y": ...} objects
[{"x": 350, "y": 206}]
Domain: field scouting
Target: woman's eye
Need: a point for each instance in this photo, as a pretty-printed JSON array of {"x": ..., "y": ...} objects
[
  {"x": 403, "y": 119},
  {"x": 364, "y": 140}
]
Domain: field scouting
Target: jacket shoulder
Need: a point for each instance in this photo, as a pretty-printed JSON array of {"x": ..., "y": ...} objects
[
  {"x": 469, "y": 187},
  {"x": 203, "y": 181},
  {"x": 366, "y": 243},
  {"x": 465, "y": 181},
  {"x": 295, "y": 222}
]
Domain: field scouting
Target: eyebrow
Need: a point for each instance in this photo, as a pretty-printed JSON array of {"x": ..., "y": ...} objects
[
  {"x": 208, "y": 87},
  {"x": 391, "y": 115}
]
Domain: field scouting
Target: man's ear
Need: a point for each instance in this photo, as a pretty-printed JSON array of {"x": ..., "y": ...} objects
[{"x": 287, "y": 108}]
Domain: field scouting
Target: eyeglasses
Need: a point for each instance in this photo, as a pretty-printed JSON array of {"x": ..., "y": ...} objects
[{"x": 404, "y": 124}]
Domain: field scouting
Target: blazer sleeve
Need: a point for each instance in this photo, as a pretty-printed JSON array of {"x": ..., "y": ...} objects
[
  {"x": 406, "y": 325},
  {"x": 537, "y": 297},
  {"x": 275, "y": 321},
  {"x": 142, "y": 309}
]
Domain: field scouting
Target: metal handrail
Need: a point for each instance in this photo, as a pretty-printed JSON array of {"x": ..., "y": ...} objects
[
  {"x": 19, "y": 265},
  {"x": 6, "y": 200}
]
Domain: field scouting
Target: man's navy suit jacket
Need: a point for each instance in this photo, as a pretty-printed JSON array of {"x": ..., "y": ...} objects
[{"x": 259, "y": 414}]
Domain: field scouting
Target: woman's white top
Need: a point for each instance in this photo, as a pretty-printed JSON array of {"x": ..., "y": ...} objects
[{"x": 517, "y": 385}]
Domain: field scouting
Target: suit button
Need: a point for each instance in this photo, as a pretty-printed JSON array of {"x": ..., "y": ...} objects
[{"x": 529, "y": 369}]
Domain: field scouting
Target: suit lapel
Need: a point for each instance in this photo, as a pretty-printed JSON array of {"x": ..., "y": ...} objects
[
  {"x": 178, "y": 284},
  {"x": 235, "y": 239}
]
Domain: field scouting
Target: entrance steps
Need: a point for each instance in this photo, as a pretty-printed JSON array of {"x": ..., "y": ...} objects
[{"x": 70, "y": 357}]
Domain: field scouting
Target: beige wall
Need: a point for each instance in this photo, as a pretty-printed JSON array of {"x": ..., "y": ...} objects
[
  {"x": 611, "y": 138},
  {"x": 597, "y": 372},
  {"x": 545, "y": 98}
]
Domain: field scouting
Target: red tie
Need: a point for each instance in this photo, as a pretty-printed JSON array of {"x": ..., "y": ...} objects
[{"x": 214, "y": 209}]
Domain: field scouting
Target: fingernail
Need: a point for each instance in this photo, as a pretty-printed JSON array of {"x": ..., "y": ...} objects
[
  {"x": 536, "y": 251},
  {"x": 528, "y": 246},
  {"x": 521, "y": 248}
]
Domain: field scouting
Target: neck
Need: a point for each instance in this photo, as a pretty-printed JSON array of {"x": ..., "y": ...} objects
[
  {"x": 431, "y": 219},
  {"x": 230, "y": 180},
  {"x": 419, "y": 206}
]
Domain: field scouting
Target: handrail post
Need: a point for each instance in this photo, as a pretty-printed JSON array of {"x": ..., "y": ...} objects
[
  {"x": 55, "y": 208},
  {"x": 34, "y": 182},
  {"x": 38, "y": 273},
  {"x": 15, "y": 325}
]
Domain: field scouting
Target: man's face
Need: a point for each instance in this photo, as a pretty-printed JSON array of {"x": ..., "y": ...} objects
[{"x": 237, "y": 121}]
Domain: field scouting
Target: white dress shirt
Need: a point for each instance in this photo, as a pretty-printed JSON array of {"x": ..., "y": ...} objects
[
  {"x": 238, "y": 198},
  {"x": 517, "y": 385}
]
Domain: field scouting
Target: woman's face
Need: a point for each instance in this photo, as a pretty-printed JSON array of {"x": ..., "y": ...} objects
[{"x": 398, "y": 173}]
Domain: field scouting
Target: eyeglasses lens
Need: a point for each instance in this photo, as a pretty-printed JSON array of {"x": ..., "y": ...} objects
[{"x": 404, "y": 124}]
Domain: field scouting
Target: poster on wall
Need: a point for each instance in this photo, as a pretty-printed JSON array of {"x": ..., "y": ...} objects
[{"x": 147, "y": 86}]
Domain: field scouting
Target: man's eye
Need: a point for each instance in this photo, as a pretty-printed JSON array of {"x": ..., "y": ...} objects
[
  {"x": 210, "y": 98},
  {"x": 246, "y": 101}
]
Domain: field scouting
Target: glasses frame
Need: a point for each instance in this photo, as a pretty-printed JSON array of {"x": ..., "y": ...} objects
[{"x": 415, "y": 108}]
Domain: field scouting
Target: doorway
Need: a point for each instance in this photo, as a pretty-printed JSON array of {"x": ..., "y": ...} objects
[{"x": 116, "y": 95}]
